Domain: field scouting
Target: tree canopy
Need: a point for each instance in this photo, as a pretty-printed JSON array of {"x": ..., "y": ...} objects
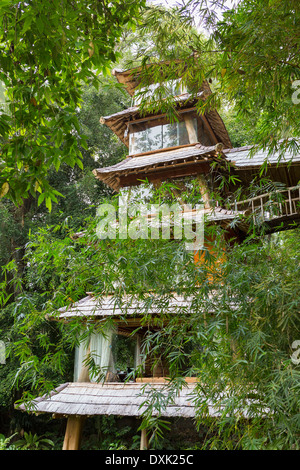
[
  {"x": 239, "y": 334},
  {"x": 249, "y": 54},
  {"x": 48, "y": 50}
]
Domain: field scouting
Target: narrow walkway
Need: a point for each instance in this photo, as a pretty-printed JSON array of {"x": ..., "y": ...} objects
[{"x": 279, "y": 209}]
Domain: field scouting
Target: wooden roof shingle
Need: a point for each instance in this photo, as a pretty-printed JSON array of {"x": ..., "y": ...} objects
[
  {"x": 146, "y": 166},
  {"x": 110, "y": 398},
  {"x": 241, "y": 157},
  {"x": 193, "y": 159},
  {"x": 132, "y": 399},
  {"x": 111, "y": 306}
]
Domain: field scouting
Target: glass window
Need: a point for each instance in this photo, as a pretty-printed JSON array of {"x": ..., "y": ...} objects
[{"x": 159, "y": 134}]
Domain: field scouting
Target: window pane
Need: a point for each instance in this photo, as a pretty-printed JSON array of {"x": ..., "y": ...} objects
[
  {"x": 158, "y": 134},
  {"x": 145, "y": 140}
]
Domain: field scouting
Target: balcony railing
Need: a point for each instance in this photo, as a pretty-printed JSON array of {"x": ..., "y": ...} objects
[{"x": 272, "y": 205}]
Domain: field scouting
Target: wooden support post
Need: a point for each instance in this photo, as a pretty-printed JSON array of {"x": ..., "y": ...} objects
[
  {"x": 138, "y": 353},
  {"x": 144, "y": 440},
  {"x": 262, "y": 207},
  {"x": 73, "y": 432},
  {"x": 156, "y": 183},
  {"x": 204, "y": 191},
  {"x": 209, "y": 129},
  {"x": 75, "y": 423},
  {"x": 84, "y": 375},
  {"x": 193, "y": 138}
]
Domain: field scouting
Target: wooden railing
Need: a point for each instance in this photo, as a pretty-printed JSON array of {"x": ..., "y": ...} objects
[{"x": 268, "y": 206}]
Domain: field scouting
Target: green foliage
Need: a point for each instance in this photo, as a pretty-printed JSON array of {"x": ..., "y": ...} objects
[
  {"x": 33, "y": 442},
  {"x": 249, "y": 56},
  {"x": 5, "y": 443},
  {"x": 49, "y": 51},
  {"x": 123, "y": 352},
  {"x": 171, "y": 48},
  {"x": 260, "y": 62},
  {"x": 236, "y": 338},
  {"x": 79, "y": 187}
]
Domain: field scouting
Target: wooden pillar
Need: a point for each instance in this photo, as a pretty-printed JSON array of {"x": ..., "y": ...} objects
[
  {"x": 192, "y": 133},
  {"x": 73, "y": 432},
  {"x": 204, "y": 191},
  {"x": 144, "y": 445},
  {"x": 139, "y": 360},
  {"x": 75, "y": 423},
  {"x": 84, "y": 375}
]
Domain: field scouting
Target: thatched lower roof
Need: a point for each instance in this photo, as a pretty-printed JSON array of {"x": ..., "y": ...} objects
[
  {"x": 111, "y": 306},
  {"x": 130, "y": 399},
  {"x": 111, "y": 398},
  {"x": 128, "y": 307},
  {"x": 280, "y": 168},
  {"x": 163, "y": 164},
  {"x": 131, "y": 78}
]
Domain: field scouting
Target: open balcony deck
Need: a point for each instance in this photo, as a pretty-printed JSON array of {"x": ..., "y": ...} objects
[{"x": 279, "y": 209}]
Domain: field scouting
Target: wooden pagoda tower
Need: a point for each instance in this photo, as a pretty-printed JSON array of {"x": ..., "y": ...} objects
[{"x": 195, "y": 146}]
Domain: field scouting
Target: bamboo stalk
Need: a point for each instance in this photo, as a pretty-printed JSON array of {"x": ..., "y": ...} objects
[{"x": 144, "y": 445}]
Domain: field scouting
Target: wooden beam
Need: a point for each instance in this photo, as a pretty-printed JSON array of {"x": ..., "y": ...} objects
[
  {"x": 73, "y": 432},
  {"x": 162, "y": 173},
  {"x": 192, "y": 133},
  {"x": 209, "y": 129},
  {"x": 138, "y": 350},
  {"x": 204, "y": 191},
  {"x": 153, "y": 152},
  {"x": 84, "y": 375}
]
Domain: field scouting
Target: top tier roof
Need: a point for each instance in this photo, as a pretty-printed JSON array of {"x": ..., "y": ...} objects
[
  {"x": 131, "y": 79},
  {"x": 128, "y": 79},
  {"x": 192, "y": 158}
]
